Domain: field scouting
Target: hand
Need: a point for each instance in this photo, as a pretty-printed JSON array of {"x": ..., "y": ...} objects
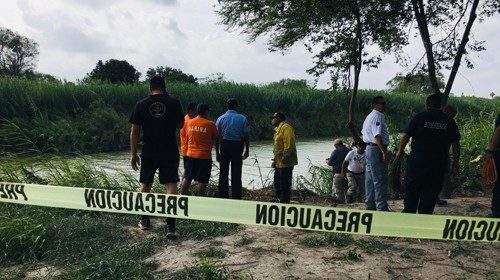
[
  {"x": 385, "y": 157},
  {"x": 273, "y": 164},
  {"x": 135, "y": 162},
  {"x": 245, "y": 155}
]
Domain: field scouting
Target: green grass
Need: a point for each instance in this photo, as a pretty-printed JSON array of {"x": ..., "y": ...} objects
[
  {"x": 328, "y": 239},
  {"x": 211, "y": 253},
  {"x": 204, "y": 269}
]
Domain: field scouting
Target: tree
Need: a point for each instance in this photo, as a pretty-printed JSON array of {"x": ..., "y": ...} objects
[
  {"x": 413, "y": 82},
  {"x": 445, "y": 30},
  {"x": 337, "y": 31},
  {"x": 290, "y": 83},
  {"x": 114, "y": 71},
  {"x": 17, "y": 53},
  {"x": 171, "y": 75}
]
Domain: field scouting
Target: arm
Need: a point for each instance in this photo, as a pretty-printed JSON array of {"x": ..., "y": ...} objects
[
  {"x": 246, "y": 139},
  {"x": 288, "y": 141},
  {"x": 331, "y": 159},
  {"x": 344, "y": 168},
  {"x": 405, "y": 138},
  {"x": 134, "y": 138},
  {"x": 494, "y": 141},
  {"x": 385, "y": 155}
]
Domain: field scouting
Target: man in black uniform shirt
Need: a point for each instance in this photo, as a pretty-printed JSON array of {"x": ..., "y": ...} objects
[
  {"x": 432, "y": 132},
  {"x": 159, "y": 115}
]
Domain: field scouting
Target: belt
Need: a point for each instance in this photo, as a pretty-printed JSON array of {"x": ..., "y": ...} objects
[
  {"x": 371, "y": 144},
  {"x": 349, "y": 171}
]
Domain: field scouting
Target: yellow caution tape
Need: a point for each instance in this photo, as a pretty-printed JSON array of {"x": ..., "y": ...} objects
[{"x": 325, "y": 219}]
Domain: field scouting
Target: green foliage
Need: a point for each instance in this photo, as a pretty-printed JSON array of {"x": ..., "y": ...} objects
[
  {"x": 114, "y": 71},
  {"x": 204, "y": 229},
  {"x": 342, "y": 28},
  {"x": 171, "y": 75},
  {"x": 17, "y": 53},
  {"x": 319, "y": 180},
  {"x": 413, "y": 83}
]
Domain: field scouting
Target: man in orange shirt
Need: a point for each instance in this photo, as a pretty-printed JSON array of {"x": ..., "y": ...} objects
[
  {"x": 191, "y": 114},
  {"x": 201, "y": 133}
]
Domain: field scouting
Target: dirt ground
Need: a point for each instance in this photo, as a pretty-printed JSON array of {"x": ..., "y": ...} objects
[{"x": 255, "y": 252}]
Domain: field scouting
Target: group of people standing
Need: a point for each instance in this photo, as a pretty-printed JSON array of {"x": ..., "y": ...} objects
[
  {"x": 361, "y": 170},
  {"x": 159, "y": 116}
]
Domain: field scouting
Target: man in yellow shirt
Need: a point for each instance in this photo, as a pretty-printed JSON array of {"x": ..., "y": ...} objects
[{"x": 285, "y": 157}]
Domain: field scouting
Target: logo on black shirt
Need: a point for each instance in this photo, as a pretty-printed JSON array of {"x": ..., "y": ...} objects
[{"x": 157, "y": 110}]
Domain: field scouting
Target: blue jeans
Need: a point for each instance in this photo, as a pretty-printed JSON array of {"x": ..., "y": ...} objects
[{"x": 376, "y": 180}]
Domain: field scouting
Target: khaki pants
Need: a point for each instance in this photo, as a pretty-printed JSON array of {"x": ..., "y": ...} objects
[
  {"x": 356, "y": 186},
  {"x": 339, "y": 187}
]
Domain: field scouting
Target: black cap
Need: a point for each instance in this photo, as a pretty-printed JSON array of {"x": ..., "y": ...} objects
[
  {"x": 202, "y": 108},
  {"x": 279, "y": 115},
  {"x": 232, "y": 103}
]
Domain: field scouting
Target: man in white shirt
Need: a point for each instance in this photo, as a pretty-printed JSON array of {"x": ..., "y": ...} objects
[
  {"x": 376, "y": 136},
  {"x": 355, "y": 163}
]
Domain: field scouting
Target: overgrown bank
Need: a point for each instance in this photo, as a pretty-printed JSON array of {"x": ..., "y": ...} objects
[{"x": 72, "y": 118}]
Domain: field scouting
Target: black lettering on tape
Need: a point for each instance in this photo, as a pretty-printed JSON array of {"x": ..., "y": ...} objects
[
  {"x": 330, "y": 223},
  {"x": 273, "y": 215},
  {"x": 172, "y": 205},
  {"x": 128, "y": 201},
  {"x": 261, "y": 214},
  {"x": 2, "y": 191},
  {"x": 342, "y": 220},
  {"x": 317, "y": 220},
  {"x": 100, "y": 199},
  {"x": 184, "y": 205},
  {"x": 10, "y": 191},
  {"x": 118, "y": 202},
  {"x": 293, "y": 220},
  {"x": 482, "y": 232},
  {"x": 20, "y": 190},
  {"x": 305, "y": 218},
  {"x": 150, "y": 207},
  {"x": 462, "y": 227},
  {"x": 139, "y": 204},
  {"x": 366, "y": 220},
  {"x": 161, "y": 204},
  {"x": 449, "y": 229},
  {"x": 89, "y": 197},
  {"x": 353, "y": 222}
]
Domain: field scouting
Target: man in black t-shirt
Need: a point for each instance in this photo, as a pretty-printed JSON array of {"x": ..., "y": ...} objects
[
  {"x": 336, "y": 159},
  {"x": 158, "y": 115},
  {"x": 432, "y": 133}
]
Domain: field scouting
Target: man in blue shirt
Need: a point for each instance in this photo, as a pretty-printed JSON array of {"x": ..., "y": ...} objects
[{"x": 233, "y": 136}]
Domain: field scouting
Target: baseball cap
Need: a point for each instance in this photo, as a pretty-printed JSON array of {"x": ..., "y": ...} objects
[
  {"x": 337, "y": 141},
  {"x": 279, "y": 115}
]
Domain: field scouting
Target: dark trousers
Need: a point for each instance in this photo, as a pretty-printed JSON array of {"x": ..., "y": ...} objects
[
  {"x": 283, "y": 183},
  {"x": 422, "y": 187},
  {"x": 231, "y": 154}
]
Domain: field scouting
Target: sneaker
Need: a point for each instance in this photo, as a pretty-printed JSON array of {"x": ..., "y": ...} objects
[
  {"x": 441, "y": 202},
  {"x": 144, "y": 223}
]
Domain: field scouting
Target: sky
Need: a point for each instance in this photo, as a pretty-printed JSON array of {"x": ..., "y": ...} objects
[{"x": 74, "y": 34}]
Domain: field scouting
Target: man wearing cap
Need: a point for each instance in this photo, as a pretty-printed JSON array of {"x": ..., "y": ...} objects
[
  {"x": 432, "y": 132},
  {"x": 158, "y": 116},
  {"x": 376, "y": 136},
  {"x": 354, "y": 169},
  {"x": 232, "y": 147},
  {"x": 191, "y": 114},
  {"x": 201, "y": 133},
  {"x": 335, "y": 161},
  {"x": 285, "y": 157}
]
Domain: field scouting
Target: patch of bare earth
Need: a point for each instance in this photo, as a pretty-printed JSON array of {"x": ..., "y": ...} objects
[{"x": 256, "y": 252}]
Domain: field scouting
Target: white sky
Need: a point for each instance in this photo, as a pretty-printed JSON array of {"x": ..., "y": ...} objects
[{"x": 74, "y": 34}]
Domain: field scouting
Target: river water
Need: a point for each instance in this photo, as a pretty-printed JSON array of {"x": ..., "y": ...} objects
[{"x": 257, "y": 171}]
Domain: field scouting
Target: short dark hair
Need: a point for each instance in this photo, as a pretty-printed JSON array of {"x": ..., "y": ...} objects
[
  {"x": 360, "y": 143},
  {"x": 232, "y": 103},
  {"x": 203, "y": 108},
  {"x": 192, "y": 106},
  {"x": 433, "y": 101},
  {"x": 377, "y": 99},
  {"x": 157, "y": 82}
]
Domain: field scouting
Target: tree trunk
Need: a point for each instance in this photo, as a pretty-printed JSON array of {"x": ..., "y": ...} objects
[
  {"x": 418, "y": 9},
  {"x": 357, "y": 70},
  {"x": 460, "y": 51}
]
